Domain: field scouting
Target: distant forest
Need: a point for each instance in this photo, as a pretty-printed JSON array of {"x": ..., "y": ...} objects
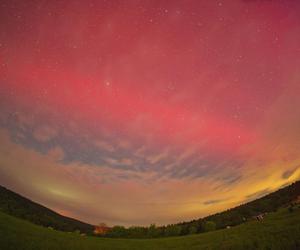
[
  {"x": 232, "y": 217},
  {"x": 21, "y": 207}
]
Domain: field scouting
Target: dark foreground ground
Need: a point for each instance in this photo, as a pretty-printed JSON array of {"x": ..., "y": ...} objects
[{"x": 280, "y": 230}]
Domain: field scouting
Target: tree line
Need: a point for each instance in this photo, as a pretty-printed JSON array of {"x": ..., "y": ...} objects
[
  {"x": 228, "y": 218},
  {"x": 23, "y": 208}
]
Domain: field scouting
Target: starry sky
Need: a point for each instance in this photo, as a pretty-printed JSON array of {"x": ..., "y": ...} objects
[{"x": 148, "y": 111}]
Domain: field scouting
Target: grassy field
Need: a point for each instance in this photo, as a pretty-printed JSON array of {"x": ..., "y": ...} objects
[{"x": 280, "y": 230}]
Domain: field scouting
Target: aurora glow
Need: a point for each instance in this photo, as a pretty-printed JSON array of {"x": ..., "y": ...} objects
[{"x": 137, "y": 112}]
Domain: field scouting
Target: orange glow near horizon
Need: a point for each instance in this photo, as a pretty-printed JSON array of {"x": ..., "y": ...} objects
[{"x": 148, "y": 111}]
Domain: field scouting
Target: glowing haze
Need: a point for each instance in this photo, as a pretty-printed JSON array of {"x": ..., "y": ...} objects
[{"x": 138, "y": 112}]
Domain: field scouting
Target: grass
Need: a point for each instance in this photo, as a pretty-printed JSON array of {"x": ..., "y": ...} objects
[{"x": 280, "y": 230}]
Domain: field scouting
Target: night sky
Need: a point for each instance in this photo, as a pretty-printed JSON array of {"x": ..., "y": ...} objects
[{"x": 148, "y": 111}]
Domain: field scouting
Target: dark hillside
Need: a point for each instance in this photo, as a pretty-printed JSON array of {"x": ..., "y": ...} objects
[
  {"x": 237, "y": 215},
  {"x": 21, "y": 207}
]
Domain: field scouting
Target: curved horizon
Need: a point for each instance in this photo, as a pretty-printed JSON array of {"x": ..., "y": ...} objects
[{"x": 132, "y": 113}]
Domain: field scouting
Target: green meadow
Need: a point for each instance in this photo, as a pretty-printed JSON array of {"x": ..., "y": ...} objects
[{"x": 278, "y": 230}]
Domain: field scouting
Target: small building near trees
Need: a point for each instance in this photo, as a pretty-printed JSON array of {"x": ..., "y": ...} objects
[{"x": 101, "y": 229}]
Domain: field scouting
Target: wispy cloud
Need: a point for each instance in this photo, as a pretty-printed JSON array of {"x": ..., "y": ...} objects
[
  {"x": 258, "y": 194},
  {"x": 212, "y": 202},
  {"x": 45, "y": 133},
  {"x": 288, "y": 173}
]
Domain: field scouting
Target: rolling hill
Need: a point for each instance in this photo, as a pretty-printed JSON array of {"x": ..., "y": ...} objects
[
  {"x": 21, "y": 207},
  {"x": 24, "y": 226},
  {"x": 279, "y": 230}
]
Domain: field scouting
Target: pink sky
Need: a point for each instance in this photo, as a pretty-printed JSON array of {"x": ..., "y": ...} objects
[{"x": 139, "y": 112}]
